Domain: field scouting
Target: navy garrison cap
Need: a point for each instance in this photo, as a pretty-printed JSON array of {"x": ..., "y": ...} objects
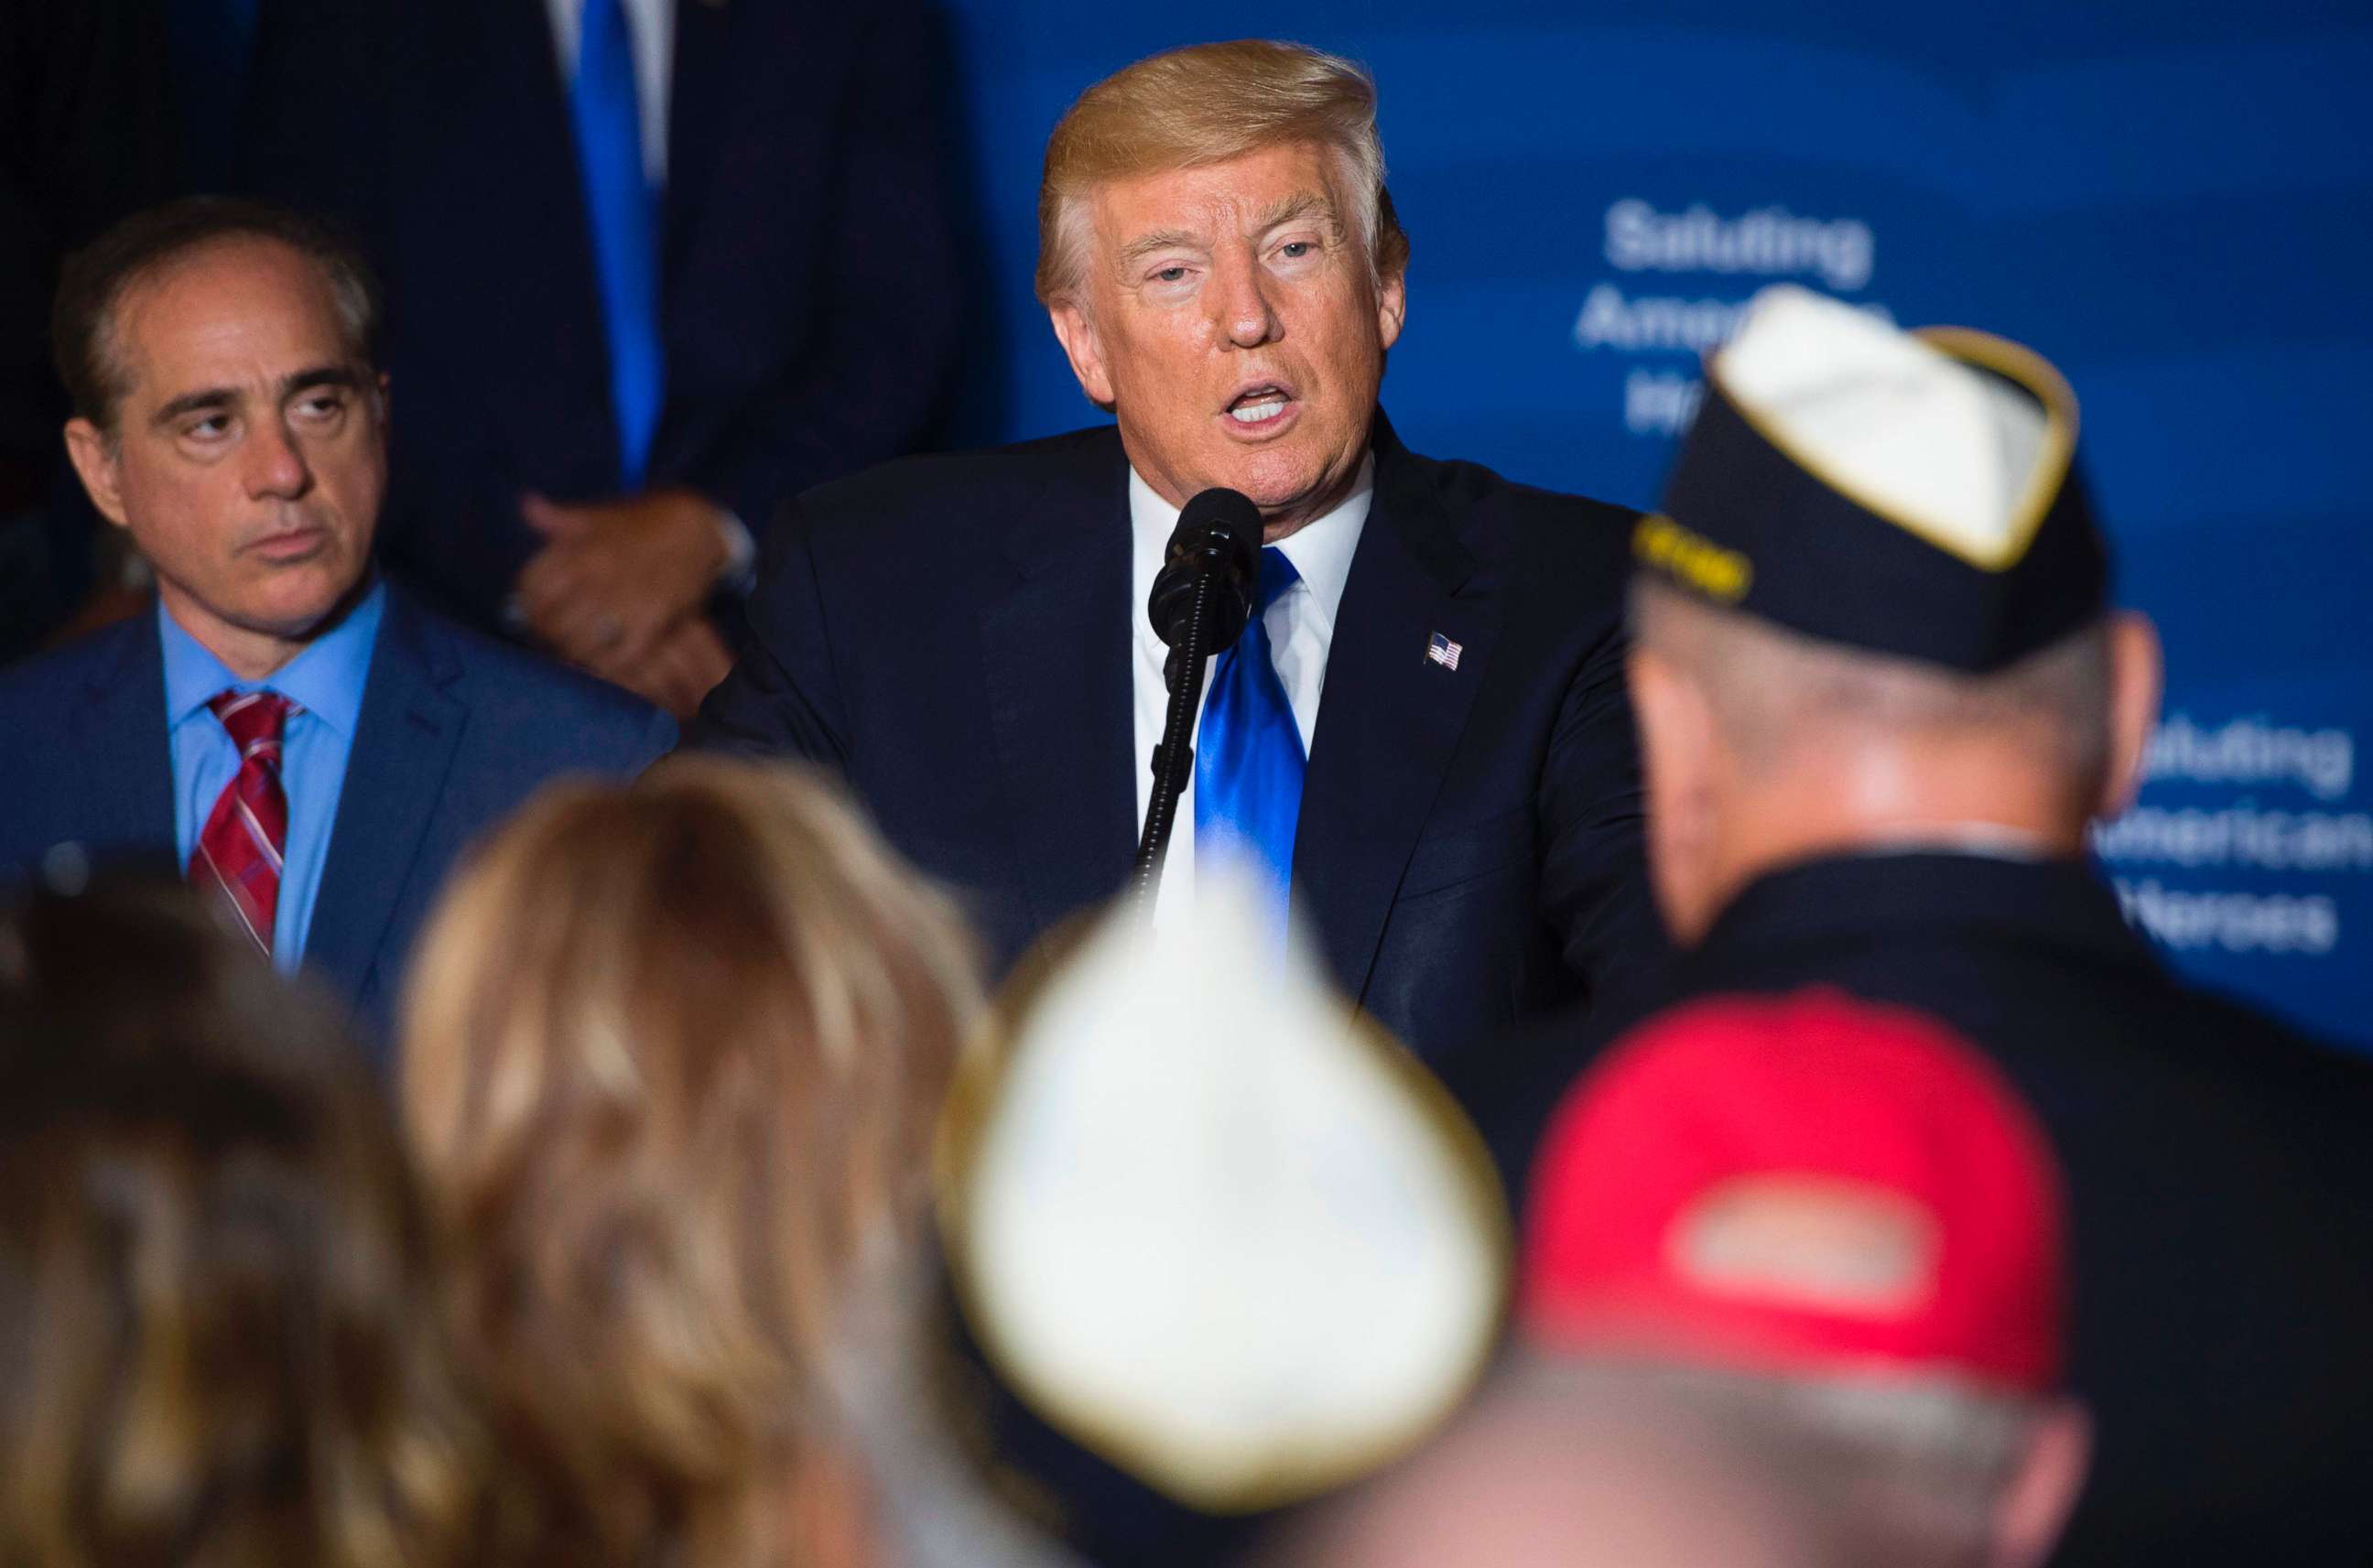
[{"x": 1911, "y": 494}]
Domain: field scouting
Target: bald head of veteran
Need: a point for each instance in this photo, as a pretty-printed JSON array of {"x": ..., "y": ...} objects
[{"x": 1223, "y": 268}]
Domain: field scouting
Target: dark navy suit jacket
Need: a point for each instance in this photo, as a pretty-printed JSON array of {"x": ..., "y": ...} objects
[
  {"x": 456, "y": 730},
  {"x": 953, "y": 634},
  {"x": 810, "y": 297}
]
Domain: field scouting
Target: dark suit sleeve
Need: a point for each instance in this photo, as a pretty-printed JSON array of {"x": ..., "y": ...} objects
[
  {"x": 865, "y": 388},
  {"x": 1594, "y": 891},
  {"x": 783, "y": 696}
]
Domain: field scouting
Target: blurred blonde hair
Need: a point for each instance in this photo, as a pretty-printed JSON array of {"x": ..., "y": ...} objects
[
  {"x": 1208, "y": 103},
  {"x": 220, "y": 1344},
  {"x": 674, "y": 1056}
]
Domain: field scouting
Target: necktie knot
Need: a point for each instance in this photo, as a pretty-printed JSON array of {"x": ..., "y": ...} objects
[
  {"x": 253, "y": 719},
  {"x": 1277, "y": 575}
]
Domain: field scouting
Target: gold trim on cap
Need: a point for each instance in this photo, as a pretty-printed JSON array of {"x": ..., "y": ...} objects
[
  {"x": 2013, "y": 362},
  {"x": 1720, "y": 573}
]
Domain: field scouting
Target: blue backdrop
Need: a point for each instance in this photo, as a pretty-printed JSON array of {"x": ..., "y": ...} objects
[{"x": 2173, "y": 203}]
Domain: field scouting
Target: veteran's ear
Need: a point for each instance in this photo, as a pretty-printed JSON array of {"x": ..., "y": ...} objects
[
  {"x": 2137, "y": 674},
  {"x": 1678, "y": 746}
]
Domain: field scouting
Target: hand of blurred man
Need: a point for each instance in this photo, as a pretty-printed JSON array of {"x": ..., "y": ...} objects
[
  {"x": 615, "y": 579},
  {"x": 680, "y": 670}
]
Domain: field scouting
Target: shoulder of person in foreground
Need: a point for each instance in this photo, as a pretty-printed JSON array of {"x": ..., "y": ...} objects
[
  {"x": 541, "y": 712},
  {"x": 2313, "y": 1093}
]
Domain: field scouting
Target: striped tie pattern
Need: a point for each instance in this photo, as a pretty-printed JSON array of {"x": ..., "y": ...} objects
[{"x": 238, "y": 857}]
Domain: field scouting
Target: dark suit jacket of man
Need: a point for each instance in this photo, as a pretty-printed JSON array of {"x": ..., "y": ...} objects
[
  {"x": 2220, "y": 1172},
  {"x": 953, "y": 634},
  {"x": 456, "y": 730},
  {"x": 810, "y": 292}
]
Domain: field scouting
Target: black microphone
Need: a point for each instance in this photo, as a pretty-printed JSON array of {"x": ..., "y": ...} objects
[
  {"x": 1201, "y": 599},
  {"x": 1218, "y": 536}
]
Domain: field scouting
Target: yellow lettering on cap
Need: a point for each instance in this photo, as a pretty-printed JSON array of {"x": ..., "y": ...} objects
[{"x": 1718, "y": 573}]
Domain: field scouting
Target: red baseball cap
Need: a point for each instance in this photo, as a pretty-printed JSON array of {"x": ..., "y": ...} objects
[{"x": 1799, "y": 1185}]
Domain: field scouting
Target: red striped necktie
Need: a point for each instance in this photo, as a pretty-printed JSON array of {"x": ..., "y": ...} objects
[{"x": 238, "y": 857}]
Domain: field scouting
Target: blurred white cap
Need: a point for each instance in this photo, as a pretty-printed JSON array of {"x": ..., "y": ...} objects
[{"x": 1237, "y": 1244}]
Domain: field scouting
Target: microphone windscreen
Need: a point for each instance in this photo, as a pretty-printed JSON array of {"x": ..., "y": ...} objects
[
  {"x": 1218, "y": 515},
  {"x": 1218, "y": 536}
]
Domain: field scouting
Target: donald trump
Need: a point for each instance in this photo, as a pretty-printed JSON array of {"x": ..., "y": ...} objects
[{"x": 1423, "y": 731}]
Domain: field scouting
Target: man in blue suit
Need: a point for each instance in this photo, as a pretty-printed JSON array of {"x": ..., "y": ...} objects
[
  {"x": 652, "y": 267},
  {"x": 1423, "y": 731},
  {"x": 311, "y": 745}
]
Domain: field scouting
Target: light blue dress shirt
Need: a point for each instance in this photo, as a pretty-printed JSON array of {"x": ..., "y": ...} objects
[{"x": 326, "y": 683}]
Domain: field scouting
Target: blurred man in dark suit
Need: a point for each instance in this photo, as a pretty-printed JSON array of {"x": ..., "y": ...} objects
[
  {"x": 311, "y": 745},
  {"x": 652, "y": 267},
  {"x": 1422, "y": 730},
  {"x": 1881, "y": 693}
]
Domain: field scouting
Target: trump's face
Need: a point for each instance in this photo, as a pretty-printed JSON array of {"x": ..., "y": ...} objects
[
  {"x": 248, "y": 454},
  {"x": 1230, "y": 316}
]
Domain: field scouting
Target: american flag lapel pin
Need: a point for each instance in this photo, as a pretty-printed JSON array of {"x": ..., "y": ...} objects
[{"x": 1440, "y": 649}]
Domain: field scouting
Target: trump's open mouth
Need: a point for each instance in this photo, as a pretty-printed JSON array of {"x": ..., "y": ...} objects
[{"x": 1260, "y": 403}]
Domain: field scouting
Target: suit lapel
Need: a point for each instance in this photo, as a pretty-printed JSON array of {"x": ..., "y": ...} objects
[
  {"x": 121, "y": 738},
  {"x": 1389, "y": 718},
  {"x": 1055, "y": 648},
  {"x": 403, "y": 747}
]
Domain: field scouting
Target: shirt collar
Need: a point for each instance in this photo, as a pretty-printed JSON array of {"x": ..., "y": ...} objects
[
  {"x": 1321, "y": 550},
  {"x": 325, "y": 680}
]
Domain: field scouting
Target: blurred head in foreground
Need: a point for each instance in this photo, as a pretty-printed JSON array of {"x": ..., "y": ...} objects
[
  {"x": 1271, "y": 1255},
  {"x": 672, "y": 1060},
  {"x": 217, "y": 1327},
  {"x": 1874, "y": 611},
  {"x": 1540, "y": 1475},
  {"x": 1835, "y": 1234}
]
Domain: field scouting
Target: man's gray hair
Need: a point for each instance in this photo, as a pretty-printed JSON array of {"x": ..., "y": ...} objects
[
  {"x": 1776, "y": 691},
  {"x": 1901, "y": 1471}
]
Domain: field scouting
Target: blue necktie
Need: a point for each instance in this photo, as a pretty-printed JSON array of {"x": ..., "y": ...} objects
[
  {"x": 1248, "y": 759},
  {"x": 602, "y": 105}
]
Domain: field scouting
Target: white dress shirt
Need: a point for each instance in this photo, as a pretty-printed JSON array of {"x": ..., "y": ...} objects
[
  {"x": 1300, "y": 629},
  {"x": 653, "y": 23}
]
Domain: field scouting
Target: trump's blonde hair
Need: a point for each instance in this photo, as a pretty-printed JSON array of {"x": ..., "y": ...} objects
[
  {"x": 673, "y": 1057},
  {"x": 1204, "y": 104}
]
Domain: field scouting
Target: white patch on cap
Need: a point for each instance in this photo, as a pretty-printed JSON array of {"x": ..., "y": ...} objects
[
  {"x": 1817, "y": 1243},
  {"x": 1888, "y": 419},
  {"x": 1212, "y": 1228}
]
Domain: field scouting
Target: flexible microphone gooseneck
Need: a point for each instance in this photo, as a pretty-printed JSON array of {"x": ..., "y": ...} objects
[{"x": 1201, "y": 599}]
